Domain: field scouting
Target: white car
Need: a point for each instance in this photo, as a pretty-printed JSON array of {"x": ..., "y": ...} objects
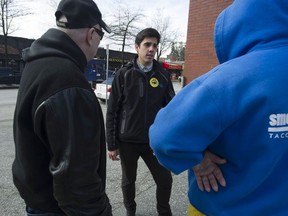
[{"x": 102, "y": 90}]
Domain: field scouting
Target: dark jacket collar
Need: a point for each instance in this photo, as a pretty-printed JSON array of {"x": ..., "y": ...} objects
[{"x": 55, "y": 43}]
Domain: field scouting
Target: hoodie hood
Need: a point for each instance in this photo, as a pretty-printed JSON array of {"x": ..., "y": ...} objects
[
  {"x": 236, "y": 35},
  {"x": 55, "y": 43}
]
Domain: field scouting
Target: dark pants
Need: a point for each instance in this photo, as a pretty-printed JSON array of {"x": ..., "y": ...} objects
[
  {"x": 129, "y": 154},
  {"x": 33, "y": 212}
]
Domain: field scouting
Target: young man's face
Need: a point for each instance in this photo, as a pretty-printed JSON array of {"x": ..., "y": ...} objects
[{"x": 147, "y": 50}]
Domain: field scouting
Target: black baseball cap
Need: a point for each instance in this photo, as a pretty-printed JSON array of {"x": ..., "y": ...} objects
[{"x": 80, "y": 14}]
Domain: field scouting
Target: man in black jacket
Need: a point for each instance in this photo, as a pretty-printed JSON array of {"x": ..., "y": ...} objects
[
  {"x": 60, "y": 161},
  {"x": 139, "y": 90}
]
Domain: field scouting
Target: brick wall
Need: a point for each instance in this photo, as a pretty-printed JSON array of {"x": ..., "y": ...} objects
[{"x": 200, "y": 54}]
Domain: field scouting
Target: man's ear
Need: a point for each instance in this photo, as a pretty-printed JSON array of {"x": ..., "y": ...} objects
[
  {"x": 89, "y": 36},
  {"x": 136, "y": 47}
]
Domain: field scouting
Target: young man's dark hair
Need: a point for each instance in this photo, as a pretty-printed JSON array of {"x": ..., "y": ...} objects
[{"x": 148, "y": 32}]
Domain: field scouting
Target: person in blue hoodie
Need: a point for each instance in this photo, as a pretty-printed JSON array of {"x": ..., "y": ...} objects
[{"x": 237, "y": 111}]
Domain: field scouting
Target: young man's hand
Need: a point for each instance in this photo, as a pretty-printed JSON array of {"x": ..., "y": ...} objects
[
  {"x": 208, "y": 173},
  {"x": 114, "y": 155}
]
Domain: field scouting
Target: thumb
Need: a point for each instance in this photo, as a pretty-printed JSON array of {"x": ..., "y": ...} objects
[{"x": 218, "y": 160}]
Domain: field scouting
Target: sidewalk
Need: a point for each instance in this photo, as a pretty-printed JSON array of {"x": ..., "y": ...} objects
[
  {"x": 177, "y": 86},
  {"x": 3, "y": 86},
  {"x": 12, "y": 205}
]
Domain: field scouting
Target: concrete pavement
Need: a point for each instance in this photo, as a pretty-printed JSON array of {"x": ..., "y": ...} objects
[{"x": 12, "y": 205}]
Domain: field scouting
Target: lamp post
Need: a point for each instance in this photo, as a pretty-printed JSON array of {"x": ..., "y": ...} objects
[{"x": 107, "y": 74}]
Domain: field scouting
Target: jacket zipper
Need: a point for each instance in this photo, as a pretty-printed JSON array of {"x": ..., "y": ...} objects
[
  {"x": 141, "y": 87},
  {"x": 123, "y": 122},
  {"x": 141, "y": 93}
]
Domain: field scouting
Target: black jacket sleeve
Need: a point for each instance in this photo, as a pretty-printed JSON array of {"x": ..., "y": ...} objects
[
  {"x": 72, "y": 124},
  {"x": 113, "y": 111}
]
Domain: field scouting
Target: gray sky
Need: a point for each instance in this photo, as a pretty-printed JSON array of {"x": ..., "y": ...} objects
[{"x": 42, "y": 17}]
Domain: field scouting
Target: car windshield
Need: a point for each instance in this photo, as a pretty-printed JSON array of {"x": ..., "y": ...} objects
[{"x": 109, "y": 81}]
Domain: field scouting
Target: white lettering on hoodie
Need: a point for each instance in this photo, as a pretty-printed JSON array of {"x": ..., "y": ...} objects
[{"x": 278, "y": 126}]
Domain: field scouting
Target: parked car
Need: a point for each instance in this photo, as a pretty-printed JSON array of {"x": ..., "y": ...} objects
[
  {"x": 9, "y": 76},
  {"x": 102, "y": 88}
]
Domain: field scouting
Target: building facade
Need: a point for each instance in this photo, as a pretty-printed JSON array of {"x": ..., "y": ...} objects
[
  {"x": 17, "y": 44},
  {"x": 200, "y": 55}
]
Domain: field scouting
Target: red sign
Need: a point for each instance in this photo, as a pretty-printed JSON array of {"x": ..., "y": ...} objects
[{"x": 172, "y": 66}]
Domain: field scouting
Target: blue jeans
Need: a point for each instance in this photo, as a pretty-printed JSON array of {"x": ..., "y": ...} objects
[{"x": 34, "y": 212}]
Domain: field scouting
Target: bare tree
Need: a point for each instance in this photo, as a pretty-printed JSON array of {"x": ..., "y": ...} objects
[
  {"x": 9, "y": 11},
  {"x": 124, "y": 27},
  {"x": 178, "y": 51},
  {"x": 168, "y": 36},
  {"x": 53, "y": 4}
]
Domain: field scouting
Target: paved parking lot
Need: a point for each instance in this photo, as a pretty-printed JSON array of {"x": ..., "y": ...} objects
[{"x": 12, "y": 205}]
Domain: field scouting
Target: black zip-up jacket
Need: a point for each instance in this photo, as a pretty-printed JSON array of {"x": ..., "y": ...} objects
[
  {"x": 135, "y": 99},
  {"x": 60, "y": 160}
]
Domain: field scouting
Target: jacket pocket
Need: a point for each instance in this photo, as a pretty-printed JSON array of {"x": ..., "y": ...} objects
[{"x": 123, "y": 121}]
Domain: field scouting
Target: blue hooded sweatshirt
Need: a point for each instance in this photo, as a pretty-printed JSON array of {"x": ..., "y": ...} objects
[{"x": 239, "y": 111}]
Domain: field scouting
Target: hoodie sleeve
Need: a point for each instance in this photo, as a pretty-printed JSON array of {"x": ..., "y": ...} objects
[{"x": 184, "y": 128}]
